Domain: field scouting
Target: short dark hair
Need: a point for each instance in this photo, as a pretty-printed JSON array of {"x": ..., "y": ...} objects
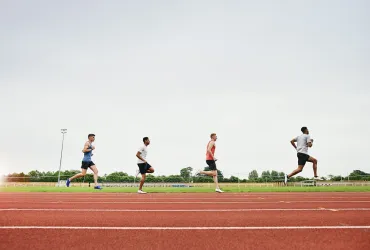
[
  {"x": 90, "y": 135},
  {"x": 145, "y": 138},
  {"x": 303, "y": 129},
  {"x": 212, "y": 134}
]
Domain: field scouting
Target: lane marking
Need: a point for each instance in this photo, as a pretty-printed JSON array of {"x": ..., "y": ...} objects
[
  {"x": 185, "y": 228},
  {"x": 176, "y": 202},
  {"x": 182, "y": 210},
  {"x": 165, "y": 197},
  {"x": 69, "y": 198}
]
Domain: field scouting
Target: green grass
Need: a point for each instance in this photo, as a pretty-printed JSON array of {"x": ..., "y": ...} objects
[{"x": 187, "y": 190}]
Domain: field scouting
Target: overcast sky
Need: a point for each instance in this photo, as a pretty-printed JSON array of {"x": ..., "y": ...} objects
[{"x": 253, "y": 72}]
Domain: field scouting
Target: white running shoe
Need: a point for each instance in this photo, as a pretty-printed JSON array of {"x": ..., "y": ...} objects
[
  {"x": 317, "y": 178},
  {"x": 141, "y": 192},
  {"x": 219, "y": 190},
  {"x": 285, "y": 179}
]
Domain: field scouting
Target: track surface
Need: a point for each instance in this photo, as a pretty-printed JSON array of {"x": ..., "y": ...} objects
[{"x": 185, "y": 221}]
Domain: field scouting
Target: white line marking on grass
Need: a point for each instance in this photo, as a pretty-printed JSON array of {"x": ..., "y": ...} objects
[
  {"x": 185, "y": 228},
  {"x": 182, "y": 210}
]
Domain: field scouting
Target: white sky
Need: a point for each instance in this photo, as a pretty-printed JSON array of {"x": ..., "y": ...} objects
[{"x": 254, "y": 72}]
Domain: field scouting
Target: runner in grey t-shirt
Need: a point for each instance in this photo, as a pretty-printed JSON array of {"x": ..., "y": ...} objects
[{"x": 304, "y": 142}]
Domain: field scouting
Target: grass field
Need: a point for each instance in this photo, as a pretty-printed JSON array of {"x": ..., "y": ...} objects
[{"x": 188, "y": 190}]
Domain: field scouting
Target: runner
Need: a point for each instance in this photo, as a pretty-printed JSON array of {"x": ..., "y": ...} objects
[
  {"x": 303, "y": 141},
  {"x": 211, "y": 161},
  {"x": 87, "y": 162},
  {"x": 144, "y": 166}
]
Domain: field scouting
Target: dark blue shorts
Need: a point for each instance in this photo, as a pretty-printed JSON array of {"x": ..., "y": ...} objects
[{"x": 143, "y": 167}]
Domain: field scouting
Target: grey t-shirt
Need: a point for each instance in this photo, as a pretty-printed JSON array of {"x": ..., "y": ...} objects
[{"x": 302, "y": 142}]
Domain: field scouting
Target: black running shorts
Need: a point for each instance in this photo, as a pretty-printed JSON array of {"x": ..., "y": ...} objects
[
  {"x": 211, "y": 164},
  {"x": 87, "y": 164},
  {"x": 302, "y": 159}
]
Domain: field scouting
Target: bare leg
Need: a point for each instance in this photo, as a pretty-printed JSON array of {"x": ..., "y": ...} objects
[
  {"x": 314, "y": 161},
  {"x": 212, "y": 173},
  {"x": 150, "y": 170},
  {"x": 95, "y": 170},
  {"x": 209, "y": 173},
  {"x": 296, "y": 171},
  {"x": 143, "y": 176},
  {"x": 215, "y": 179},
  {"x": 82, "y": 174}
]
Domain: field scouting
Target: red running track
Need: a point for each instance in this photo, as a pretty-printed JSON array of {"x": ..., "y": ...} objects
[{"x": 185, "y": 221}]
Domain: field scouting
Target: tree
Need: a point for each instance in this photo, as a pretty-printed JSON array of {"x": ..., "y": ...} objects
[
  {"x": 358, "y": 175},
  {"x": 253, "y": 176},
  {"x": 234, "y": 179},
  {"x": 186, "y": 173},
  {"x": 116, "y": 176},
  {"x": 300, "y": 178},
  {"x": 266, "y": 176},
  {"x": 275, "y": 175},
  {"x": 34, "y": 173},
  {"x": 174, "y": 178}
]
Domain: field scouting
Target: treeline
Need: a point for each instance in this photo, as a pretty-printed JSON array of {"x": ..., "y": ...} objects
[{"x": 186, "y": 175}]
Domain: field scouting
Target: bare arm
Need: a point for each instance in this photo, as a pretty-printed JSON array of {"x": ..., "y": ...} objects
[
  {"x": 86, "y": 148},
  {"x": 211, "y": 144},
  {"x": 138, "y": 155},
  {"x": 293, "y": 143},
  {"x": 310, "y": 143}
]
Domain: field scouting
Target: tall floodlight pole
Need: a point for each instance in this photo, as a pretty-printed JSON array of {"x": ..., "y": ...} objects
[{"x": 63, "y": 131}]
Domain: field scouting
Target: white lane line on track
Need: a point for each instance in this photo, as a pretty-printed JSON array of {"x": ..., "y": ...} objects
[
  {"x": 185, "y": 228},
  {"x": 136, "y": 196},
  {"x": 177, "y": 202},
  {"x": 182, "y": 210},
  {"x": 176, "y": 198}
]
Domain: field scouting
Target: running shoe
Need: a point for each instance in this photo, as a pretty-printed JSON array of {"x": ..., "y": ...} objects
[
  {"x": 317, "y": 178},
  {"x": 219, "y": 190},
  {"x": 98, "y": 187},
  {"x": 68, "y": 182},
  {"x": 141, "y": 192}
]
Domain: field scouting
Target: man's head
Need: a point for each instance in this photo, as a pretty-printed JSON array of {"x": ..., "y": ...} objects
[
  {"x": 146, "y": 141},
  {"x": 305, "y": 130},
  {"x": 91, "y": 137},
  {"x": 213, "y": 136}
]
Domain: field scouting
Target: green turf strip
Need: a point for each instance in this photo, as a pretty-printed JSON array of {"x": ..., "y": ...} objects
[{"x": 187, "y": 190}]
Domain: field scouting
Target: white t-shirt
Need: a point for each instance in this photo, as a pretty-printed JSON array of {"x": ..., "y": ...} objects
[
  {"x": 302, "y": 141},
  {"x": 143, "y": 152}
]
